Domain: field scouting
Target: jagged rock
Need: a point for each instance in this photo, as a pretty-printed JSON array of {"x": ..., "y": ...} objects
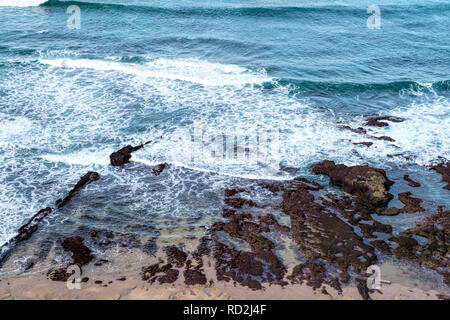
[
  {"x": 159, "y": 168},
  {"x": 81, "y": 255},
  {"x": 411, "y": 182},
  {"x": 321, "y": 234},
  {"x": 434, "y": 253},
  {"x": 410, "y": 205},
  {"x": 193, "y": 277},
  {"x": 151, "y": 273},
  {"x": 357, "y": 130},
  {"x": 86, "y": 179},
  {"x": 176, "y": 256},
  {"x": 122, "y": 156},
  {"x": 444, "y": 170},
  {"x": 379, "y": 121},
  {"x": 385, "y": 138},
  {"x": 371, "y": 185},
  {"x": 365, "y": 143}
]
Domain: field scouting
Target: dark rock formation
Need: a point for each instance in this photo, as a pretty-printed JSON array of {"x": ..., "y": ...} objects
[
  {"x": 410, "y": 205},
  {"x": 170, "y": 276},
  {"x": 81, "y": 255},
  {"x": 385, "y": 138},
  {"x": 444, "y": 170},
  {"x": 159, "y": 168},
  {"x": 26, "y": 231},
  {"x": 382, "y": 246},
  {"x": 356, "y": 213},
  {"x": 122, "y": 156},
  {"x": 314, "y": 274},
  {"x": 357, "y": 130},
  {"x": 86, "y": 179},
  {"x": 365, "y": 143},
  {"x": 434, "y": 253},
  {"x": 321, "y": 234},
  {"x": 380, "y": 121},
  {"x": 363, "y": 290},
  {"x": 153, "y": 272},
  {"x": 176, "y": 256},
  {"x": 193, "y": 277},
  {"x": 370, "y": 185},
  {"x": 411, "y": 182}
]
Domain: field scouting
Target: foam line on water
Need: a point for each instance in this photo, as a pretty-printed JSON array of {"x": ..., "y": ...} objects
[
  {"x": 189, "y": 167},
  {"x": 189, "y": 70}
]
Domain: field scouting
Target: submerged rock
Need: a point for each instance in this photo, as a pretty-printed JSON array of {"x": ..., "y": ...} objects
[
  {"x": 380, "y": 121},
  {"x": 434, "y": 253},
  {"x": 411, "y": 182},
  {"x": 86, "y": 179},
  {"x": 26, "y": 231},
  {"x": 444, "y": 170},
  {"x": 410, "y": 205}
]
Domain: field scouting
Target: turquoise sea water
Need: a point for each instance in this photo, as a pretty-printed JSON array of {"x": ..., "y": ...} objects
[{"x": 170, "y": 70}]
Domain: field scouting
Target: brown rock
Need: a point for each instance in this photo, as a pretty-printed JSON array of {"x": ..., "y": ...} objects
[
  {"x": 444, "y": 170},
  {"x": 411, "y": 182},
  {"x": 371, "y": 185},
  {"x": 193, "y": 277},
  {"x": 379, "y": 121},
  {"x": 122, "y": 156}
]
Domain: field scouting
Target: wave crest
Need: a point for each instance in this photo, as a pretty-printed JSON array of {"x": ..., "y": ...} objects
[
  {"x": 189, "y": 70},
  {"x": 22, "y": 3}
]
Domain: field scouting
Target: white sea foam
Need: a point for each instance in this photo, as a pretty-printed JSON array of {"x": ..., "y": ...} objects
[
  {"x": 21, "y": 3},
  {"x": 190, "y": 70},
  {"x": 84, "y": 158},
  {"x": 425, "y": 133},
  {"x": 93, "y": 105}
]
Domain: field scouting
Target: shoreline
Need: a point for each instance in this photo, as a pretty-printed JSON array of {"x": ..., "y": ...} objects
[{"x": 127, "y": 286}]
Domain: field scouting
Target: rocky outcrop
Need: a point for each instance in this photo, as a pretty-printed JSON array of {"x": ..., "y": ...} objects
[
  {"x": 81, "y": 255},
  {"x": 322, "y": 235},
  {"x": 26, "y": 231},
  {"x": 381, "y": 121},
  {"x": 164, "y": 273},
  {"x": 410, "y": 205},
  {"x": 158, "y": 169},
  {"x": 370, "y": 185},
  {"x": 444, "y": 169},
  {"x": 84, "y": 180},
  {"x": 176, "y": 256},
  {"x": 411, "y": 182},
  {"x": 433, "y": 249},
  {"x": 122, "y": 156}
]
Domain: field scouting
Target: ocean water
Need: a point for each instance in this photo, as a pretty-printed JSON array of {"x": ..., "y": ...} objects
[{"x": 224, "y": 89}]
